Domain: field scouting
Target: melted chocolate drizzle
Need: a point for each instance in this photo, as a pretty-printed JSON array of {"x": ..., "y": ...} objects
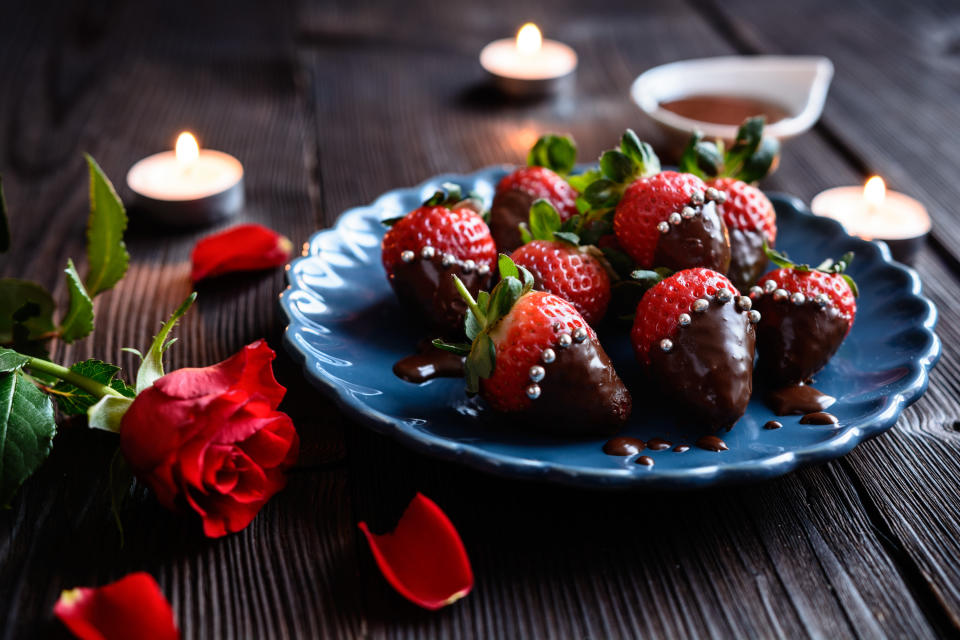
[
  {"x": 623, "y": 446},
  {"x": 425, "y": 288},
  {"x": 509, "y": 209},
  {"x": 700, "y": 241},
  {"x": 819, "y": 417},
  {"x": 796, "y": 341},
  {"x": 712, "y": 443},
  {"x": 747, "y": 258},
  {"x": 429, "y": 363},
  {"x": 798, "y": 399},
  {"x": 709, "y": 370}
]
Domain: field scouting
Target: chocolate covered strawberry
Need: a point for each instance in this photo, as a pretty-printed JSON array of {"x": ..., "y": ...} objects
[
  {"x": 807, "y": 312},
  {"x": 560, "y": 265},
  {"x": 550, "y": 159},
  {"x": 532, "y": 354},
  {"x": 748, "y": 214},
  {"x": 422, "y": 249},
  {"x": 694, "y": 334}
]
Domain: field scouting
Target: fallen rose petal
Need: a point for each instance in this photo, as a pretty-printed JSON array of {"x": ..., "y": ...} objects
[
  {"x": 247, "y": 247},
  {"x": 133, "y": 607},
  {"x": 423, "y": 558}
]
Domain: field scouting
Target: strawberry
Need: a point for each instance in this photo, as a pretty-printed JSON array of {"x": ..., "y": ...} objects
[
  {"x": 748, "y": 214},
  {"x": 551, "y": 158},
  {"x": 533, "y": 354},
  {"x": 807, "y": 312},
  {"x": 444, "y": 236},
  {"x": 694, "y": 334},
  {"x": 561, "y": 266}
]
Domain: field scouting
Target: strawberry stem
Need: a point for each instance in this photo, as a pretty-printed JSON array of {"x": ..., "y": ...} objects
[{"x": 471, "y": 303}]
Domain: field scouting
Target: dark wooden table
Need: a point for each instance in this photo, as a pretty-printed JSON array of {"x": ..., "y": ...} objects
[{"x": 330, "y": 104}]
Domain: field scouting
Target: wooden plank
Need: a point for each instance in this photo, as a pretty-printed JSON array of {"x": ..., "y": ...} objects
[{"x": 799, "y": 556}]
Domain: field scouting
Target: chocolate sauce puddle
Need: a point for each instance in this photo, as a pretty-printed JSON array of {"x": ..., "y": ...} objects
[
  {"x": 623, "y": 446},
  {"x": 772, "y": 424},
  {"x": 819, "y": 417},
  {"x": 429, "y": 363},
  {"x": 680, "y": 448},
  {"x": 658, "y": 444},
  {"x": 646, "y": 461},
  {"x": 798, "y": 399},
  {"x": 712, "y": 443}
]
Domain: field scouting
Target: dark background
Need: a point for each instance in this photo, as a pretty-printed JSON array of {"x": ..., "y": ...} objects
[{"x": 330, "y": 104}]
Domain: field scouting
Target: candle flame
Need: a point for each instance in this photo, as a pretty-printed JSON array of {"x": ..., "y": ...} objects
[
  {"x": 875, "y": 192},
  {"x": 187, "y": 150},
  {"x": 529, "y": 39}
]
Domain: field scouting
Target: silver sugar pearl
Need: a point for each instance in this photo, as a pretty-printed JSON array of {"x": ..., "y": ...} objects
[
  {"x": 666, "y": 345},
  {"x": 547, "y": 356},
  {"x": 721, "y": 197},
  {"x": 408, "y": 256},
  {"x": 724, "y": 295},
  {"x": 427, "y": 252},
  {"x": 756, "y": 292},
  {"x": 580, "y": 334},
  {"x": 674, "y": 218},
  {"x": 700, "y": 305},
  {"x": 537, "y": 372},
  {"x": 798, "y": 298},
  {"x": 822, "y": 299},
  {"x": 663, "y": 227},
  {"x": 769, "y": 286},
  {"x": 754, "y": 316},
  {"x": 564, "y": 340},
  {"x": 780, "y": 295},
  {"x": 744, "y": 303},
  {"x": 688, "y": 212},
  {"x": 712, "y": 193},
  {"x": 483, "y": 269},
  {"x": 533, "y": 391},
  {"x": 696, "y": 197},
  {"x": 684, "y": 319},
  {"x": 469, "y": 266},
  {"x": 448, "y": 260}
]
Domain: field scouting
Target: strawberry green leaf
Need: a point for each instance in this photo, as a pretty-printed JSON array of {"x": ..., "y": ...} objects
[
  {"x": 544, "y": 220},
  {"x": 527, "y": 278},
  {"x": 152, "y": 366},
  {"x": 448, "y": 194},
  {"x": 616, "y": 166},
  {"x": 106, "y": 253},
  {"x": 78, "y": 323},
  {"x": 594, "y": 230},
  {"x": 4, "y": 222},
  {"x": 27, "y": 429},
  {"x": 74, "y": 401},
  {"x": 853, "y": 285},
  {"x": 621, "y": 263},
  {"x": 568, "y": 237},
  {"x": 758, "y": 164},
  {"x": 582, "y": 180},
  {"x": 502, "y": 299},
  {"x": 32, "y": 305},
  {"x": 646, "y": 161},
  {"x": 508, "y": 269},
  {"x": 459, "y": 348},
  {"x": 558, "y": 153},
  {"x": 602, "y": 194},
  {"x": 480, "y": 362},
  {"x": 389, "y": 222}
]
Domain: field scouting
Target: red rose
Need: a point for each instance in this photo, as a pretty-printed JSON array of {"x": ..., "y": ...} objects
[{"x": 211, "y": 438}]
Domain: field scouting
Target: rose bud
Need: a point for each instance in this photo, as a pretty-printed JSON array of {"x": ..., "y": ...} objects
[
  {"x": 132, "y": 607},
  {"x": 247, "y": 247},
  {"x": 210, "y": 439}
]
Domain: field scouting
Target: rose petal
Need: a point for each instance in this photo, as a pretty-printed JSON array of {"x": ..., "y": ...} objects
[
  {"x": 132, "y": 607},
  {"x": 423, "y": 558},
  {"x": 247, "y": 247}
]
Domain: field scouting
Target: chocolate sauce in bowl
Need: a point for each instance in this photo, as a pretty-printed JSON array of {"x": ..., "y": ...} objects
[
  {"x": 720, "y": 109},
  {"x": 712, "y": 443},
  {"x": 623, "y": 446},
  {"x": 819, "y": 417},
  {"x": 700, "y": 241},
  {"x": 798, "y": 399}
]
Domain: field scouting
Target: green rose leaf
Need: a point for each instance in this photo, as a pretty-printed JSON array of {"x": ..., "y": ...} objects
[
  {"x": 10, "y": 360},
  {"x": 152, "y": 366},
  {"x": 4, "y": 222},
  {"x": 78, "y": 323},
  {"x": 106, "y": 252},
  {"x": 27, "y": 429},
  {"x": 74, "y": 401},
  {"x": 37, "y": 319}
]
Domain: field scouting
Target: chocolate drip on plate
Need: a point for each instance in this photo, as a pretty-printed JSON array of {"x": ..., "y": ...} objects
[
  {"x": 658, "y": 444},
  {"x": 700, "y": 241},
  {"x": 623, "y": 446},
  {"x": 646, "y": 461},
  {"x": 712, "y": 443},
  {"x": 773, "y": 424},
  {"x": 798, "y": 399},
  {"x": 429, "y": 363},
  {"x": 820, "y": 417},
  {"x": 680, "y": 448}
]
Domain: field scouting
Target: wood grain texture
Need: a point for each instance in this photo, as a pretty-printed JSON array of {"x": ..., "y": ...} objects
[{"x": 329, "y": 104}]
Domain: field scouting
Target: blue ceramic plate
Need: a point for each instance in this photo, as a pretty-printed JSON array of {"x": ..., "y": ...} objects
[{"x": 347, "y": 329}]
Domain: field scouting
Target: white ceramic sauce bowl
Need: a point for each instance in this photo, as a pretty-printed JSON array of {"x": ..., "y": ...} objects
[{"x": 799, "y": 84}]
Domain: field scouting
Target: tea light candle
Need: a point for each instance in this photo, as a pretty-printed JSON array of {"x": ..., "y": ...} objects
[
  {"x": 873, "y": 213},
  {"x": 528, "y": 65},
  {"x": 188, "y": 186}
]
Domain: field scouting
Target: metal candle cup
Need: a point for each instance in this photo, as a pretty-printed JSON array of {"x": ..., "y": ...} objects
[{"x": 528, "y": 65}]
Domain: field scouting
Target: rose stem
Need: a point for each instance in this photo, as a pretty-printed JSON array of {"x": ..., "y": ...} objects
[{"x": 77, "y": 380}]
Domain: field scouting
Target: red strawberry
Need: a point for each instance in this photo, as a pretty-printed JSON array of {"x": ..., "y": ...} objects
[
  {"x": 806, "y": 315},
  {"x": 664, "y": 220},
  {"x": 747, "y": 213},
  {"x": 550, "y": 158},
  {"x": 751, "y": 221},
  {"x": 694, "y": 333},
  {"x": 424, "y": 247},
  {"x": 533, "y": 353}
]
